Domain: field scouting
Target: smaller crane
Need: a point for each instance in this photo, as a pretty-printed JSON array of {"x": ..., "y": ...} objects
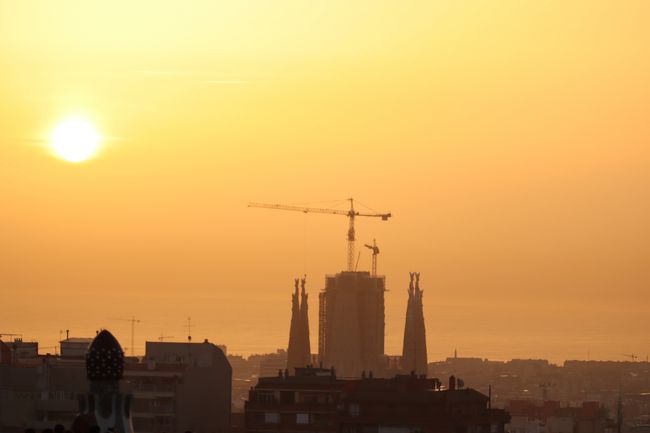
[
  {"x": 133, "y": 321},
  {"x": 632, "y": 356},
  {"x": 162, "y": 337},
  {"x": 375, "y": 252}
]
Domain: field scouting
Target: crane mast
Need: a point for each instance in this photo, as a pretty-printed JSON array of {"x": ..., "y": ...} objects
[
  {"x": 375, "y": 252},
  {"x": 351, "y": 238},
  {"x": 351, "y": 214}
]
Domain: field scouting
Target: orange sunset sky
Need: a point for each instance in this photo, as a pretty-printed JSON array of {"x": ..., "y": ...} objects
[{"x": 510, "y": 139}]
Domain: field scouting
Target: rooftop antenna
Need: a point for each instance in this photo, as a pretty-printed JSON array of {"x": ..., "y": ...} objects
[
  {"x": 56, "y": 349},
  {"x": 189, "y": 340},
  {"x": 133, "y": 321},
  {"x": 189, "y": 329}
]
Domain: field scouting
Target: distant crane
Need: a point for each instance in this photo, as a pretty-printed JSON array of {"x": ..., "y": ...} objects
[
  {"x": 375, "y": 252},
  {"x": 162, "y": 337},
  {"x": 632, "y": 356},
  {"x": 133, "y": 321},
  {"x": 351, "y": 214}
]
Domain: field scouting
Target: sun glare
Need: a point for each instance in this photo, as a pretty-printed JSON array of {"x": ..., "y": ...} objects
[{"x": 75, "y": 140}]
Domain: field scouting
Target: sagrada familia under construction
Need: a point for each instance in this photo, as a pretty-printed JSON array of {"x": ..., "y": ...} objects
[{"x": 351, "y": 328}]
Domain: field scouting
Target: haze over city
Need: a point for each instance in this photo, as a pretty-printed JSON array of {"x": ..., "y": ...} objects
[{"x": 508, "y": 139}]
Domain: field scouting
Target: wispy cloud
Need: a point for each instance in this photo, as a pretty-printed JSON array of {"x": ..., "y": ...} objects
[
  {"x": 226, "y": 82},
  {"x": 203, "y": 76},
  {"x": 168, "y": 72}
]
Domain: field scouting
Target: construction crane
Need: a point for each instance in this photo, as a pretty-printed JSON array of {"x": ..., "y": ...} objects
[
  {"x": 133, "y": 321},
  {"x": 351, "y": 214},
  {"x": 162, "y": 337},
  {"x": 375, "y": 252},
  {"x": 632, "y": 356}
]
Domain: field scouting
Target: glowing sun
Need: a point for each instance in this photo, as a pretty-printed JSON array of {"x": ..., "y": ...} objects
[{"x": 75, "y": 140}]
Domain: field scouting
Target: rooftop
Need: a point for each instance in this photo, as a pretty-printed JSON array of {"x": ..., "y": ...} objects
[{"x": 77, "y": 340}]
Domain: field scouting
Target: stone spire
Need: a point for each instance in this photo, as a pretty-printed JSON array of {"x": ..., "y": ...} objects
[
  {"x": 299, "y": 351},
  {"x": 414, "y": 352},
  {"x": 304, "y": 325},
  {"x": 293, "y": 352}
]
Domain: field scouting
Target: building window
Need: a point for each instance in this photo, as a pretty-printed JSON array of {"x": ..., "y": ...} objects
[
  {"x": 266, "y": 397},
  {"x": 303, "y": 418},
  {"x": 353, "y": 409},
  {"x": 271, "y": 417}
]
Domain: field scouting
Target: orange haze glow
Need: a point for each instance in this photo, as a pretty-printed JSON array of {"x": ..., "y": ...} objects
[{"x": 510, "y": 140}]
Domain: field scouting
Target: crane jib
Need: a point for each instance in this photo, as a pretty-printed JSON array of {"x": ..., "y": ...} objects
[{"x": 351, "y": 214}]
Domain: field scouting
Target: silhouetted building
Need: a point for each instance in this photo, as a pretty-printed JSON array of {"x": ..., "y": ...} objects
[
  {"x": 351, "y": 323},
  {"x": 414, "y": 352},
  {"x": 315, "y": 400},
  {"x": 180, "y": 387},
  {"x": 299, "y": 350},
  {"x": 75, "y": 347},
  {"x": 270, "y": 363},
  {"x": 302, "y": 402},
  {"x": 20, "y": 349},
  {"x": 176, "y": 387},
  {"x": 40, "y": 392},
  {"x": 5, "y": 353},
  {"x": 410, "y": 403},
  {"x": 552, "y": 417}
]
